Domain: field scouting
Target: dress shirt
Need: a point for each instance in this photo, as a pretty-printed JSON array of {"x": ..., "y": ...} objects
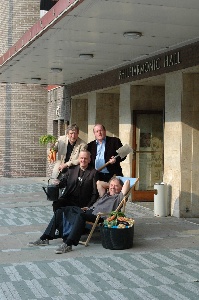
[{"x": 99, "y": 160}]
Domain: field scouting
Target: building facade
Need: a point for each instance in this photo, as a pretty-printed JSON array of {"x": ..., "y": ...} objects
[
  {"x": 23, "y": 107},
  {"x": 151, "y": 104}
]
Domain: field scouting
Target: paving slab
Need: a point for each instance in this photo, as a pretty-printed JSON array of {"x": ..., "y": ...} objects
[{"x": 162, "y": 264}]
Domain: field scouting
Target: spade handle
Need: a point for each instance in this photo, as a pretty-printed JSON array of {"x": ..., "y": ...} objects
[{"x": 106, "y": 164}]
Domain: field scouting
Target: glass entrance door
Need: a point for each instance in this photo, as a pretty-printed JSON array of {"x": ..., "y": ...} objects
[{"x": 148, "y": 156}]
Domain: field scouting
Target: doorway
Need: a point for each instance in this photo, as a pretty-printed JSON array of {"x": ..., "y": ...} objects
[{"x": 148, "y": 159}]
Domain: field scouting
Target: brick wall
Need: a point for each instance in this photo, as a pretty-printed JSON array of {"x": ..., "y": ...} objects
[{"x": 23, "y": 107}]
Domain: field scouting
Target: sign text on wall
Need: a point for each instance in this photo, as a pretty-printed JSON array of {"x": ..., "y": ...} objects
[{"x": 151, "y": 65}]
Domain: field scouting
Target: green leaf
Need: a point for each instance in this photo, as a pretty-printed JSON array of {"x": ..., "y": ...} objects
[{"x": 45, "y": 139}]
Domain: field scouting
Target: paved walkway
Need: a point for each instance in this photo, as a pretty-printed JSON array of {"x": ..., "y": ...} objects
[{"x": 163, "y": 263}]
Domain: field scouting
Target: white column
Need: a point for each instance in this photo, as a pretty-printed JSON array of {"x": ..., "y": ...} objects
[
  {"x": 125, "y": 126},
  {"x": 172, "y": 139},
  {"x": 92, "y": 99}
]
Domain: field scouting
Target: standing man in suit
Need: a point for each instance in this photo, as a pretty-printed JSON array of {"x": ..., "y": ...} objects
[
  {"x": 78, "y": 184},
  {"x": 103, "y": 150},
  {"x": 68, "y": 147}
]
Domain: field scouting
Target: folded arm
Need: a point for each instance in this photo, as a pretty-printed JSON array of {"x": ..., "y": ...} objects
[{"x": 102, "y": 187}]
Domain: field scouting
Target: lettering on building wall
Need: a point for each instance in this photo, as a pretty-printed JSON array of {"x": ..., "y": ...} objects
[
  {"x": 172, "y": 59},
  {"x": 151, "y": 65}
]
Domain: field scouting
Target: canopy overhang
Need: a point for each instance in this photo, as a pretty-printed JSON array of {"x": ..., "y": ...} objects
[{"x": 49, "y": 53}]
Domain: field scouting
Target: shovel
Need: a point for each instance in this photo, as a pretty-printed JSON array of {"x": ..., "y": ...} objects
[{"x": 122, "y": 152}]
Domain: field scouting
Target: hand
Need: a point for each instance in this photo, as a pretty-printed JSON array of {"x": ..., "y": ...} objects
[
  {"x": 62, "y": 166},
  {"x": 56, "y": 181},
  {"x": 84, "y": 208},
  {"x": 112, "y": 160}
]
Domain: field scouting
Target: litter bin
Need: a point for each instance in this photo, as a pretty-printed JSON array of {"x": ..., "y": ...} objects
[{"x": 160, "y": 200}]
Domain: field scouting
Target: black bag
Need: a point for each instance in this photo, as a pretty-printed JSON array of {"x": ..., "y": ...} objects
[{"x": 52, "y": 191}]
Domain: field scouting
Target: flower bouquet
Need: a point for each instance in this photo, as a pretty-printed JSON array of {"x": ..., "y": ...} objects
[{"x": 46, "y": 139}]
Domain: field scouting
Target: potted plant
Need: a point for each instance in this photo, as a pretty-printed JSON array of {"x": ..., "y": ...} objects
[
  {"x": 117, "y": 231},
  {"x": 49, "y": 139}
]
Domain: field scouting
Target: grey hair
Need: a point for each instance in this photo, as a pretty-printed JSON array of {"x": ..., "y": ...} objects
[
  {"x": 103, "y": 127},
  {"x": 85, "y": 151},
  {"x": 118, "y": 179},
  {"x": 72, "y": 127}
]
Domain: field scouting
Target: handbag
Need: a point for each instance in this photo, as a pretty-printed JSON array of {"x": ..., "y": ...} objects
[{"x": 52, "y": 191}]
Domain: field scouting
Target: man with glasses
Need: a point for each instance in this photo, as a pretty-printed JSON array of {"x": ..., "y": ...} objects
[{"x": 68, "y": 147}]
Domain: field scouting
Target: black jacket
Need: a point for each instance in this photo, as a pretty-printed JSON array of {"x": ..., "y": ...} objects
[
  {"x": 88, "y": 190},
  {"x": 112, "y": 144}
]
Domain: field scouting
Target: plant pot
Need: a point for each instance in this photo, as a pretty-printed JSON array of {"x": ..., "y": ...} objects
[{"x": 117, "y": 239}]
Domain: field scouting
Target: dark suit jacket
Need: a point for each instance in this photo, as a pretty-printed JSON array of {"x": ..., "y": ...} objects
[
  {"x": 112, "y": 144},
  {"x": 88, "y": 194}
]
